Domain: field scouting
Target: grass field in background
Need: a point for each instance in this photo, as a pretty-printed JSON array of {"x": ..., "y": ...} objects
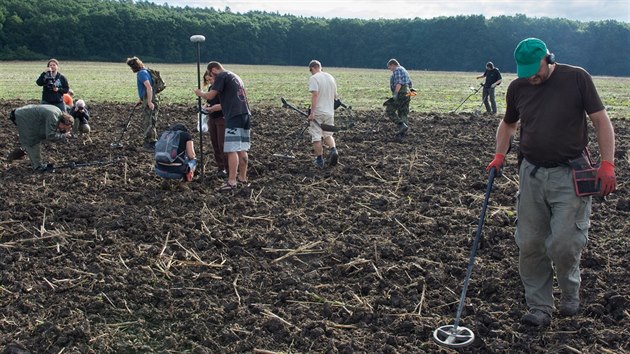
[{"x": 363, "y": 89}]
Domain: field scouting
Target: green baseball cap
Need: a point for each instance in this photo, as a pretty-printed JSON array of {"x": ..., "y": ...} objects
[{"x": 527, "y": 55}]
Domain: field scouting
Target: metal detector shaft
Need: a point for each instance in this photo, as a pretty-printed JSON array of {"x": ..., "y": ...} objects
[
  {"x": 466, "y": 99},
  {"x": 473, "y": 251},
  {"x": 73, "y": 165},
  {"x": 324, "y": 127},
  {"x": 126, "y": 127},
  {"x": 286, "y": 104},
  {"x": 199, "y": 39}
]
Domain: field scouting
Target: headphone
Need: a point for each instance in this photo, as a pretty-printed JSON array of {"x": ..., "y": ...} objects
[{"x": 550, "y": 58}]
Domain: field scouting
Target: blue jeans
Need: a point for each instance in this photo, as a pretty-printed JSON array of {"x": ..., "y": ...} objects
[{"x": 489, "y": 100}]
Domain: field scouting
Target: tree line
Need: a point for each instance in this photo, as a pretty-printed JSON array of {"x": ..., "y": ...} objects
[{"x": 112, "y": 30}]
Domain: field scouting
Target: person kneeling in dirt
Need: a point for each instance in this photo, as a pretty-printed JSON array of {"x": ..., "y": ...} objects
[
  {"x": 397, "y": 107},
  {"x": 323, "y": 90},
  {"x": 175, "y": 154},
  {"x": 37, "y": 123},
  {"x": 81, "y": 117}
]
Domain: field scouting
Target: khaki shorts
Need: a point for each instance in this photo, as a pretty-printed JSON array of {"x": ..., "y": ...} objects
[{"x": 316, "y": 131}]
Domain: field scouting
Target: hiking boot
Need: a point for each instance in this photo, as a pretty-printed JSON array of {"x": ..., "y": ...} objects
[
  {"x": 149, "y": 146},
  {"x": 402, "y": 131},
  {"x": 16, "y": 154},
  {"x": 536, "y": 317},
  {"x": 569, "y": 307},
  {"x": 318, "y": 162},
  {"x": 333, "y": 158}
]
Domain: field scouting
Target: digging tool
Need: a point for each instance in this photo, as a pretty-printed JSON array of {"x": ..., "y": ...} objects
[
  {"x": 197, "y": 38},
  {"x": 325, "y": 127},
  {"x": 456, "y": 336},
  {"x": 75, "y": 165},
  {"x": 119, "y": 144},
  {"x": 469, "y": 96}
]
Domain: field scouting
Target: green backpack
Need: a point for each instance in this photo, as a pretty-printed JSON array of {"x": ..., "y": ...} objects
[{"x": 158, "y": 83}]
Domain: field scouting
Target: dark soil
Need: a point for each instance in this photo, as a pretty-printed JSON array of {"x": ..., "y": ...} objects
[{"x": 366, "y": 257}]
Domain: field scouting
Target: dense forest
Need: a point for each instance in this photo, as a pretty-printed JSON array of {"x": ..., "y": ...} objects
[{"x": 109, "y": 30}]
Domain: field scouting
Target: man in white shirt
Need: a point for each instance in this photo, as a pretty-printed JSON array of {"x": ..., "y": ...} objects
[{"x": 323, "y": 90}]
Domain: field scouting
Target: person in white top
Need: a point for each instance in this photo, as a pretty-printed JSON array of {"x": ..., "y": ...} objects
[{"x": 323, "y": 90}]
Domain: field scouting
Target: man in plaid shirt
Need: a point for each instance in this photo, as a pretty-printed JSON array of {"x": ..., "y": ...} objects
[{"x": 397, "y": 107}]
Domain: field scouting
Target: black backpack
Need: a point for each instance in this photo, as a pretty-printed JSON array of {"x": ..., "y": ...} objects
[{"x": 166, "y": 147}]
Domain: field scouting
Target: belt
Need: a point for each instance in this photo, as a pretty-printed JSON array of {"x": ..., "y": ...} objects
[{"x": 543, "y": 164}]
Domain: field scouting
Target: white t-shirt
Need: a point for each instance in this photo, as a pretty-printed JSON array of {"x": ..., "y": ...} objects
[{"x": 326, "y": 88}]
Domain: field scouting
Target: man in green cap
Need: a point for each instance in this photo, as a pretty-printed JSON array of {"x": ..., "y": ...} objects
[
  {"x": 37, "y": 123},
  {"x": 552, "y": 101}
]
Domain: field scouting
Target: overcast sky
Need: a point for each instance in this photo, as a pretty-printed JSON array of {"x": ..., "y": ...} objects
[{"x": 582, "y": 10}]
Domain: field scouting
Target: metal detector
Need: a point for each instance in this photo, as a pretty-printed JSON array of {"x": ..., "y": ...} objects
[
  {"x": 118, "y": 144},
  {"x": 469, "y": 96},
  {"x": 197, "y": 38},
  {"x": 325, "y": 127},
  {"x": 75, "y": 165},
  {"x": 456, "y": 336}
]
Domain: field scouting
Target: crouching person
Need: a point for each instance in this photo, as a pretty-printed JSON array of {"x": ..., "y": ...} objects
[
  {"x": 175, "y": 154},
  {"x": 38, "y": 123},
  {"x": 81, "y": 117}
]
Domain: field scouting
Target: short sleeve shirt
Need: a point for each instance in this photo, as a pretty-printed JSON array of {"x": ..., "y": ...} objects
[
  {"x": 553, "y": 114},
  {"x": 142, "y": 76},
  {"x": 232, "y": 94},
  {"x": 324, "y": 84}
]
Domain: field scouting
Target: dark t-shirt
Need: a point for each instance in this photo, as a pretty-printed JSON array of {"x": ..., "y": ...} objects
[
  {"x": 212, "y": 102},
  {"x": 492, "y": 76},
  {"x": 231, "y": 93},
  {"x": 553, "y": 114}
]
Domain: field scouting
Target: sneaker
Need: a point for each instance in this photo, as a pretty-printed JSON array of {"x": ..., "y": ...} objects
[
  {"x": 569, "y": 307},
  {"x": 536, "y": 317},
  {"x": 318, "y": 162},
  {"x": 149, "y": 146},
  {"x": 222, "y": 174},
  {"x": 333, "y": 158}
]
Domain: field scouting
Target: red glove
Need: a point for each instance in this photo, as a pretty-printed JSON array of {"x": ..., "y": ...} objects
[
  {"x": 606, "y": 178},
  {"x": 496, "y": 163}
]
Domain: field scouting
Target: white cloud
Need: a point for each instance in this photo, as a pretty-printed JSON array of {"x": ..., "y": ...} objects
[{"x": 583, "y": 10}]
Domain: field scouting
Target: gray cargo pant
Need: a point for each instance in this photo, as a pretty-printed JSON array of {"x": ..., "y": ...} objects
[{"x": 551, "y": 232}]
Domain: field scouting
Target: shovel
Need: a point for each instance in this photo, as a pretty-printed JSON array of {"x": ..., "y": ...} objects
[{"x": 456, "y": 336}]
